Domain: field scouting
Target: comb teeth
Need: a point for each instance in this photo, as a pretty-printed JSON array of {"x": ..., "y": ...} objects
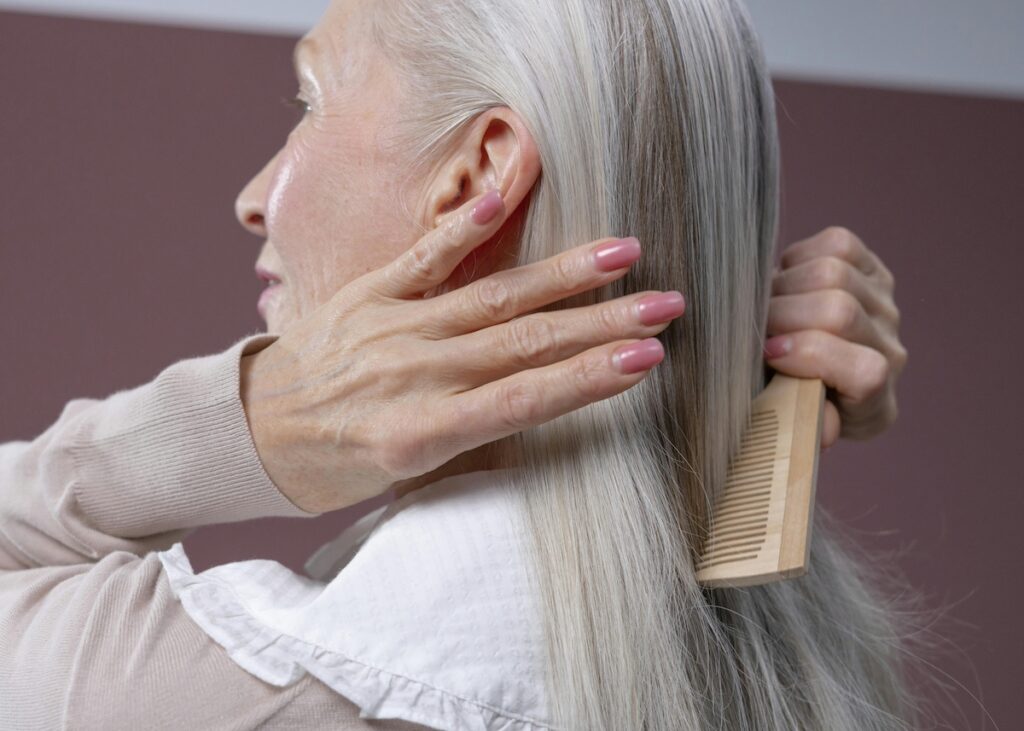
[
  {"x": 740, "y": 520},
  {"x": 759, "y": 529}
]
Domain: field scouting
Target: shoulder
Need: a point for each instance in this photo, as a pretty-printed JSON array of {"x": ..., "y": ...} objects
[
  {"x": 429, "y": 617},
  {"x": 143, "y": 663}
]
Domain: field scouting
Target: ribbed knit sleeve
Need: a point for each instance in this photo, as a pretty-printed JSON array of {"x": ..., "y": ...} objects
[
  {"x": 91, "y": 634},
  {"x": 107, "y": 646},
  {"x": 138, "y": 470}
]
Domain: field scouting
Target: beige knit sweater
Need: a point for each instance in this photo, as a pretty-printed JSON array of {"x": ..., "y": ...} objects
[{"x": 91, "y": 636}]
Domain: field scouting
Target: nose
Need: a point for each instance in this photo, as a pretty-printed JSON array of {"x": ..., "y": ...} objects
[{"x": 251, "y": 204}]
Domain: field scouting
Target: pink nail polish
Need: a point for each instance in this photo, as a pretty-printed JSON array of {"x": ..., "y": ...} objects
[
  {"x": 616, "y": 254},
  {"x": 486, "y": 208},
  {"x": 777, "y": 347},
  {"x": 657, "y": 308},
  {"x": 638, "y": 356}
]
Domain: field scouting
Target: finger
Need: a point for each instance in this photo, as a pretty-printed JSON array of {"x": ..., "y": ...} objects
[
  {"x": 432, "y": 259},
  {"x": 833, "y": 241},
  {"x": 835, "y": 311},
  {"x": 536, "y": 396},
  {"x": 505, "y": 294},
  {"x": 831, "y": 425},
  {"x": 859, "y": 374},
  {"x": 830, "y": 272},
  {"x": 543, "y": 338}
]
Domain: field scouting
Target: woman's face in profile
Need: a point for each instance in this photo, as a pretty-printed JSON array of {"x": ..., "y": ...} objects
[{"x": 327, "y": 202}]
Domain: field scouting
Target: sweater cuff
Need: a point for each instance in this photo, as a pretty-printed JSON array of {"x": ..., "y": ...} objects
[{"x": 176, "y": 452}]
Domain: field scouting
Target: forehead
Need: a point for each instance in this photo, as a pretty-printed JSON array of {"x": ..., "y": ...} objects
[
  {"x": 342, "y": 13},
  {"x": 340, "y": 39},
  {"x": 344, "y": 23}
]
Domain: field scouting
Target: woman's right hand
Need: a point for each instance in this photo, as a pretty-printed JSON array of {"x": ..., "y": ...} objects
[{"x": 380, "y": 385}]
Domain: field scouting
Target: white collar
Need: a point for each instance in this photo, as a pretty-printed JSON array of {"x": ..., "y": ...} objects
[{"x": 423, "y": 610}]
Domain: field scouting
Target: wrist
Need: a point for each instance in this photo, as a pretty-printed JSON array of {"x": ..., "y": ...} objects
[{"x": 254, "y": 392}]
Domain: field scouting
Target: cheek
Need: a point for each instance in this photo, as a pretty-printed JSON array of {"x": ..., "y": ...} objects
[
  {"x": 292, "y": 184},
  {"x": 332, "y": 213},
  {"x": 304, "y": 204}
]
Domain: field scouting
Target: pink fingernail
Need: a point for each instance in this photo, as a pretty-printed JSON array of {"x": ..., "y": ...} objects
[
  {"x": 638, "y": 356},
  {"x": 616, "y": 254},
  {"x": 777, "y": 347},
  {"x": 663, "y": 307},
  {"x": 487, "y": 208}
]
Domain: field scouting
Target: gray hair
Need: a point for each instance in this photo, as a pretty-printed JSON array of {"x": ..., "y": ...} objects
[{"x": 656, "y": 118}]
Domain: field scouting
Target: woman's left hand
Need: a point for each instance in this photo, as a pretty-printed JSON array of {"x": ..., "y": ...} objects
[{"x": 832, "y": 316}]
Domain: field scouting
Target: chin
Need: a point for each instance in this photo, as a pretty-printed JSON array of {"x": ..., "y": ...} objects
[
  {"x": 273, "y": 323},
  {"x": 269, "y": 326}
]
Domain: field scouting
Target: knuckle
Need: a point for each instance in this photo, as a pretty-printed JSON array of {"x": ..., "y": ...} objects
[
  {"x": 900, "y": 358},
  {"x": 453, "y": 230},
  {"x": 531, "y": 339},
  {"x": 874, "y": 373},
  {"x": 886, "y": 276},
  {"x": 842, "y": 311},
  {"x": 837, "y": 232},
  {"x": 889, "y": 314},
  {"x": 520, "y": 404},
  {"x": 492, "y": 299},
  {"x": 608, "y": 320},
  {"x": 841, "y": 240},
  {"x": 420, "y": 263},
  {"x": 565, "y": 272},
  {"x": 809, "y": 346},
  {"x": 587, "y": 374},
  {"x": 831, "y": 272}
]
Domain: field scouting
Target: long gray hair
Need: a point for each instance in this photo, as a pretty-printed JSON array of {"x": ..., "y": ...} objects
[{"x": 655, "y": 118}]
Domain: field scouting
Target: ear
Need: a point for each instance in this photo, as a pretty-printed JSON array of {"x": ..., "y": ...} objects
[{"x": 497, "y": 151}]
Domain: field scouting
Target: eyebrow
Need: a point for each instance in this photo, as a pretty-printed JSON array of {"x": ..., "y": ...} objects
[{"x": 305, "y": 47}]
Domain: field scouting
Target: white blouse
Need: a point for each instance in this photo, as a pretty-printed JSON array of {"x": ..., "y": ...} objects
[{"x": 423, "y": 610}]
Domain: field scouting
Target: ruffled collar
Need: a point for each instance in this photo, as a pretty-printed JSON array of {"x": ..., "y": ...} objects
[{"x": 423, "y": 610}]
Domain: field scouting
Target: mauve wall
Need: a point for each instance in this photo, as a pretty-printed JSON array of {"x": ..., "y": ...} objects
[{"x": 123, "y": 147}]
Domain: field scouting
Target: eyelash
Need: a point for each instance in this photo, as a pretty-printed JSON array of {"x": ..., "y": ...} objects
[{"x": 297, "y": 102}]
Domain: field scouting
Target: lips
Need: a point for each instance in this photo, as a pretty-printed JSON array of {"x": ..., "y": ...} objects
[
  {"x": 267, "y": 276},
  {"x": 268, "y": 295}
]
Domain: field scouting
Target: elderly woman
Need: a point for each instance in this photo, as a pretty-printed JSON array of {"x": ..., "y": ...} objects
[{"x": 437, "y": 325}]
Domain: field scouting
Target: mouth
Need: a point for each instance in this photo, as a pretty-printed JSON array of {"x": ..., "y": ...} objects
[
  {"x": 268, "y": 295},
  {"x": 267, "y": 276}
]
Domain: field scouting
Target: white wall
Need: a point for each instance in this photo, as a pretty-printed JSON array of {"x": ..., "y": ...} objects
[
  {"x": 972, "y": 46},
  {"x": 285, "y": 17},
  {"x": 975, "y": 46}
]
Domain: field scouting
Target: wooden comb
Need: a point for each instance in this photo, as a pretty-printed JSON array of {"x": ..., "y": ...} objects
[{"x": 760, "y": 527}]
